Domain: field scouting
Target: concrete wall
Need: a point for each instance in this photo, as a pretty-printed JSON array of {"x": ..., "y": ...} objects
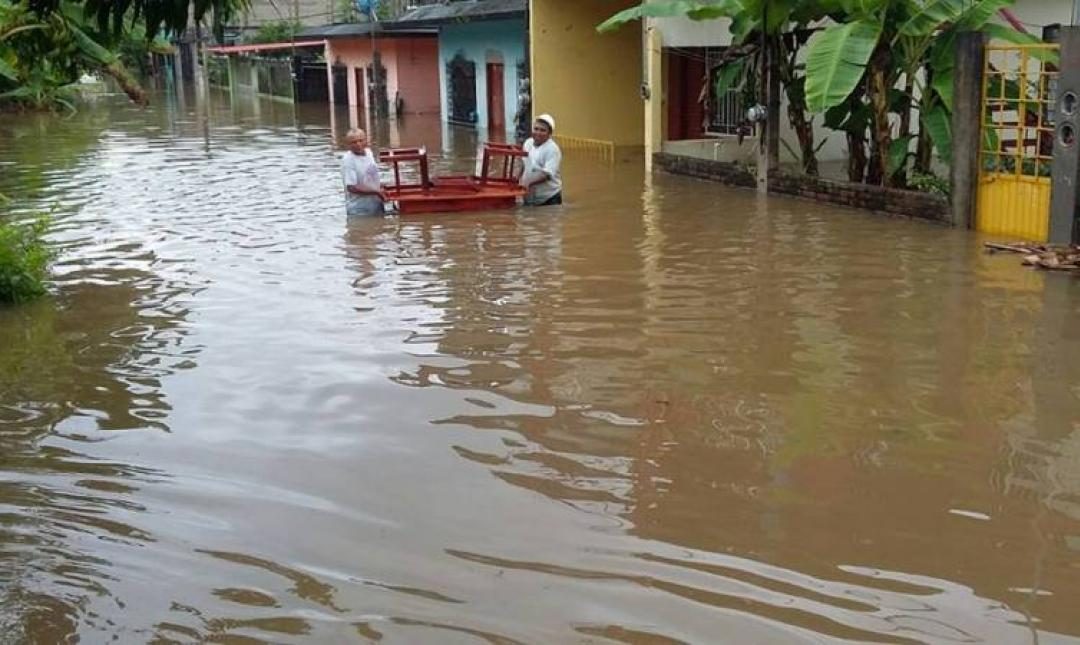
[
  {"x": 1036, "y": 14},
  {"x": 411, "y": 69},
  {"x": 481, "y": 42},
  {"x": 588, "y": 81},
  {"x": 725, "y": 148},
  {"x": 683, "y": 32},
  {"x": 889, "y": 201}
]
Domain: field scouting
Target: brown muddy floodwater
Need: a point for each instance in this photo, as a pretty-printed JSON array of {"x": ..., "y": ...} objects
[{"x": 668, "y": 411}]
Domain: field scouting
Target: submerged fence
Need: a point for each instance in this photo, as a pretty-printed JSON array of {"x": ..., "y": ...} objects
[
  {"x": 596, "y": 148},
  {"x": 271, "y": 77}
]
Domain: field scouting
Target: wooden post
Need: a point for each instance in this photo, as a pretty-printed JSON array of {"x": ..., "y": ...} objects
[
  {"x": 967, "y": 118},
  {"x": 769, "y": 130},
  {"x": 772, "y": 105}
]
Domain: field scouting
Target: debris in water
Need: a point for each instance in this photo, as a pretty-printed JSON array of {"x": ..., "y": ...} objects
[
  {"x": 1042, "y": 256},
  {"x": 975, "y": 515}
]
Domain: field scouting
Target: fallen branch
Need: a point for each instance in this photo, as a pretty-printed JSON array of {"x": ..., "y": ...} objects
[
  {"x": 1012, "y": 248},
  {"x": 1042, "y": 256}
]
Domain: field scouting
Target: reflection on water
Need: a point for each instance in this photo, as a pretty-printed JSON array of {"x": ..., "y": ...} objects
[{"x": 665, "y": 412}]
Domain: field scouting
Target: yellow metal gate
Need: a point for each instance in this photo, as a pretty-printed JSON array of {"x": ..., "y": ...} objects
[{"x": 1017, "y": 141}]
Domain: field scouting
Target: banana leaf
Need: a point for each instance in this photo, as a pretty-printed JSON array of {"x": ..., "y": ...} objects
[
  {"x": 898, "y": 153},
  {"x": 936, "y": 122},
  {"x": 729, "y": 75},
  {"x": 835, "y": 62},
  {"x": 694, "y": 9}
]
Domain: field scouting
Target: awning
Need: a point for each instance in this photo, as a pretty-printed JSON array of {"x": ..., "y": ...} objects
[{"x": 262, "y": 47}]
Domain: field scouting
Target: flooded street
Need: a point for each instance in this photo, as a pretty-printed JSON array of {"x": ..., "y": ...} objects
[{"x": 668, "y": 411}]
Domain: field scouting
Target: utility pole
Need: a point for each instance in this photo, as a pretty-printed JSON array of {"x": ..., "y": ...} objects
[
  {"x": 376, "y": 94},
  {"x": 767, "y": 115},
  {"x": 1065, "y": 189},
  {"x": 967, "y": 119}
]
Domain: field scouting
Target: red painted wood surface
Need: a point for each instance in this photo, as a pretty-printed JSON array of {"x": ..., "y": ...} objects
[
  {"x": 495, "y": 101},
  {"x": 496, "y": 188}
]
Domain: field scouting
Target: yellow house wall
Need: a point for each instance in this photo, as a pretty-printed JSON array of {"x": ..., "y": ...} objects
[{"x": 589, "y": 82}]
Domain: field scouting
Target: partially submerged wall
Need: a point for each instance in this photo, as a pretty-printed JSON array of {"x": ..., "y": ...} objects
[{"x": 906, "y": 203}]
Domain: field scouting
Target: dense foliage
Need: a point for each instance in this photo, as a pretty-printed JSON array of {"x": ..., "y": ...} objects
[
  {"x": 24, "y": 260},
  {"x": 42, "y": 57},
  {"x": 278, "y": 31}
]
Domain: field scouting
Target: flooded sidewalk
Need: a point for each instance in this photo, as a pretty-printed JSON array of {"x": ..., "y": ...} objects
[{"x": 667, "y": 411}]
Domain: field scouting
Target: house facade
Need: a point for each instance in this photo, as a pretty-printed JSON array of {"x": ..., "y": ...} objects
[
  {"x": 482, "y": 61},
  {"x": 683, "y": 116},
  {"x": 405, "y": 81}
]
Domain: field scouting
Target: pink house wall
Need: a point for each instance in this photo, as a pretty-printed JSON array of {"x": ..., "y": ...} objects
[
  {"x": 412, "y": 68},
  {"x": 418, "y": 75},
  {"x": 353, "y": 54}
]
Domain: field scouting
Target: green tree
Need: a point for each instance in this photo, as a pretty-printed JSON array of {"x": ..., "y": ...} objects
[
  {"x": 169, "y": 16},
  {"x": 275, "y": 32}
]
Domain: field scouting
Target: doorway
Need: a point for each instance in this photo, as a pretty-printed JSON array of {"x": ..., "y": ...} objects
[{"x": 496, "y": 102}]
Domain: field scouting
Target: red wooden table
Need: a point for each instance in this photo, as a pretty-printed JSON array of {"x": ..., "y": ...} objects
[{"x": 496, "y": 187}]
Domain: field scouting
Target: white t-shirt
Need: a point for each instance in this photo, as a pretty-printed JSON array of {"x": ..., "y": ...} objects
[
  {"x": 545, "y": 158},
  {"x": 362, "y": 170}
]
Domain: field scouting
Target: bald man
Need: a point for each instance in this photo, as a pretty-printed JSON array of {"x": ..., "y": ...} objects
[{"x": 360, "y": 171}]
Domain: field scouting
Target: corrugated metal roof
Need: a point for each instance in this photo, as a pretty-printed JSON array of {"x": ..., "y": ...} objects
[
  {"x": 463, "y": 11},
  {"x": 356, "y": 29}
]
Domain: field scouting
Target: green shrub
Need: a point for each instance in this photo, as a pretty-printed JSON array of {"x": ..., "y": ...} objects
[
  {"x": 24, "y": 259},
  {"x": 930, "y": 184}
]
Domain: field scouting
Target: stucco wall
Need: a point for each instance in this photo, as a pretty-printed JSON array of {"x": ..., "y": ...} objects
[
  {"x": 479, "y": 42},
  {"x": 352, "y": 53},
  {"x": 417, "y": 74},
  {"x": 683, "y": 32},
  {"x": 588, "y": 81}
]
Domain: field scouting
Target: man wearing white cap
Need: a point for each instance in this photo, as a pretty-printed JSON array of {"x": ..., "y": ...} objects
[{"x": 541, "y": 176}]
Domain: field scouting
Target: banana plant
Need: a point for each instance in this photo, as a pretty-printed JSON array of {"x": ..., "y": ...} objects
[
  {"x": 881, "y": 42},
  {"x": 693, "y": 9},
  {"x": 839, "y": 53}
]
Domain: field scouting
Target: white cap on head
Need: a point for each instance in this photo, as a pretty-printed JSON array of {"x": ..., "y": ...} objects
[{"x": 548, "y": 119}]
